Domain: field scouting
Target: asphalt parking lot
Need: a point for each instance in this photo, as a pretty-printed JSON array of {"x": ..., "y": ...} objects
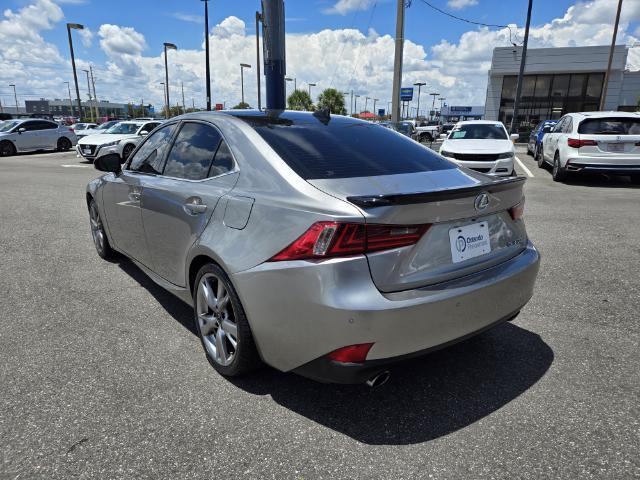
[{"x": 103, "y": 377}]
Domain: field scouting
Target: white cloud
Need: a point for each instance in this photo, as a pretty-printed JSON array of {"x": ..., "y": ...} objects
[
  {"x": 86, "y": 36},
  {"x": 460, "y": 4},
  {"x": 116, "y": 40},
  {"x": 188, "y": 17},
  {"x": 342, "y": 7}
]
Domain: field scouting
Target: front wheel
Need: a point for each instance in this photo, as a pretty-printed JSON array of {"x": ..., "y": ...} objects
[
  {"x": 559, "y": 174},
  {"x": 222, "y": 325},
  {"x": 98, "y": 234},
  {"x": 126, "y": 151},
  {"x": 7, "y": 149},
  {"x": 539, "y": 157}
]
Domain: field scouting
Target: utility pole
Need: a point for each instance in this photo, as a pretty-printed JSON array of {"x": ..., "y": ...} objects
[
  {"x": 366, "y": 102},
  {"x": 355, "y": 105},
  {"x": 70, "y": 101},
  {"x": 15, "y": 96},
  {"x": 169, "y": 46},
  {"x": 89, "y": 93},
  {"x": 351, "y": 104},
  {"x": 242, "y": 67},
  {"x": 433, "y": 105},
  {"x": 605, "y": 85},
  {"x": 275, "y": 68},
  {"x": 184, "y": 109},
  {"x": 206, "y": 49},
  {"x": 311, "y": 85},
  {"x": 164, "y": 91},
  {"x": 258, "y": 20},
  {"x": 441, "y": 101},
  {"x": 95, "y": 96},
  {"x": 516, "y": 103},
  {"x": 375, "y": 100},
  {"x": 419, "y": 85},
  {"x": 75, "y": 26},
  {"x": 397, "y": 62},
  {"x": 142, "y": 107},
  {"x": 193, "y": 103},
  {"x": 1, "y": 109}
]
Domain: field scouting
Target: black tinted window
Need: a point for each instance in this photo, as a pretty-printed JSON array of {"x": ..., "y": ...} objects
[
  {"x": 222, "y": 162},
  {"x": 478, "y": 131},
  {"x": 341, "y": 147},
  {"x": 149, "y": 157},
  {"x": 192, "y": 152},
  {"x": 610, "y": 126},
  {"x": 31, "y": 126}
]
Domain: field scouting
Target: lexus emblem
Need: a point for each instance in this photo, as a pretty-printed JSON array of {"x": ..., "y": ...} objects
[{"x": 481, "y": 202}]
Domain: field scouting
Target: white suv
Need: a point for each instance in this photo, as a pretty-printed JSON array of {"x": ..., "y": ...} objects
[
  {"x": 607, "y": 142},
  {"x": 122, "y": 138}
]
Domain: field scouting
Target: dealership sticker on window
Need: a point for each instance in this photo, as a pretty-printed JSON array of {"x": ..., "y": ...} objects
[
  {"x": 459, "y": 133},
  {"x": 469, "y": 241}
]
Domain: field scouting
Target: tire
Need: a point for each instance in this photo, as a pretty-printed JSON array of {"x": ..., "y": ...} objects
[
  {"x": 7, "y": 149},
  {"x": 126, "y": 151},
  {"x": 635, "y": 179},
  {"x": 100, "y": 240},
  {"x": 529, "y": 152},
  {"x": 64, "y": 144},
  {"x": 221, "y": 323},
  {"x": 539, "y": 157},
  {"x": 559, "y": 174}
]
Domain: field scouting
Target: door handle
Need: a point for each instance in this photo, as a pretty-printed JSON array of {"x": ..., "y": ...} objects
[{"x": 194, "y": 206}]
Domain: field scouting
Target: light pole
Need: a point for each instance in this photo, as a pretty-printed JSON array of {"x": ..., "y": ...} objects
[
  {"x": 605, "y": 85},
  {"x": 355, "y": 105},
  {"x": 343, "y": 95},
  {"x": 164, "y": 93},
  {"x": 242, "y": 67},
  {"x": 433, "y": 104},
  {"x": 70, "y": 101},
  {"x": 184, "y": 108},
  {"x": 397, "y": 60},
  {"x": 15, "y": 96},
  {"x": 375, "y": 100},
  {"x": 295, "y": 82},
  {"x": 167, "y": 46},
  {"x": 206, "y": 53},
  {"x": 311, "y": 85},
  {"x": 419, "y": 85},
  {"x": 258, "y": 20},
  {"x": 75, "y": 26},
  {"x": 366, "y": 101},
  {"x": 89, "y": 93},
  {"x": 441, "y": 102}
]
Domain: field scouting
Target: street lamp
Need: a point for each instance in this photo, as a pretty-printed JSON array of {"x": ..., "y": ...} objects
[
  {"x": 164, "y": 93},
  {"x": 419, "y": 85},
  {"x": 206, "y": 53},
  {"x": 167, "y": 46},
  {"x": 355, "y": 103},
  {"x": 15, "y": 96},
  {"x": 311, "y": 85},
  {"x": 441, "y": 100},
  {"x": 70, "y": 102},
  {"x": 433, "y": 105},
  {"x": 242, "y": 67},
  {"x": 295, "y": 82},
  {"x": 366, "y": 101},
  {"x": 75, "y": 26},
  {"x": 375, "y": 100}
]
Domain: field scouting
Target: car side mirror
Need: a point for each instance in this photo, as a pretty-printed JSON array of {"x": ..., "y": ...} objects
[
  {"x": 108, "y": 163},
  {"x": 514, "y": 136},
  {"x": 22, "y": 129},
  {"x": 144, "y": 133}
]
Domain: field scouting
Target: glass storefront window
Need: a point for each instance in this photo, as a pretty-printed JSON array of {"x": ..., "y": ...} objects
[{"x": 576, "y": 86}]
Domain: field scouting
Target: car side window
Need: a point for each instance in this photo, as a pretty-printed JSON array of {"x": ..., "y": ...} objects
[
  {"x": 222, "y": 162},
  {"x": 568, "y": 125},
  {"x": 192, "y": 152},
  {"x": 149, "y": 157},
  {"x": 559, "y": 126},
  {"x": 149, "y": 127},
  {"x": 29, "y": 126}
]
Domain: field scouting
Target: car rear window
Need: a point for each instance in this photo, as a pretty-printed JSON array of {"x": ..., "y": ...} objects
[
  {"x": 478, "y": 131},
  {"x": 340, "y": 147},
  {"x": 610, "y": 126}
]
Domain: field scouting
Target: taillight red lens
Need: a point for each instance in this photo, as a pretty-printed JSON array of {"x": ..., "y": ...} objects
[
  {"x": 351, "y": 354},
  {"x": 333, "y": 239},
  {"x": 577, "y": 143},
  {"x": 517, "y": 211}
]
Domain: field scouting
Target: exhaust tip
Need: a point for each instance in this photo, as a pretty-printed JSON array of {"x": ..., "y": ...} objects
[{"x": 379, "y": 379}]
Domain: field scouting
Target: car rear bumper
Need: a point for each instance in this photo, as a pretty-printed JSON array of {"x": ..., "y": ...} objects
[
  {"x": 617, "y": 165},
  {"x": 501, "y": 168},
  {"x": 300, "y": 311}
]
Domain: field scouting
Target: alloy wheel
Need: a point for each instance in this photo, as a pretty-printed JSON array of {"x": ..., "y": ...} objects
[
  {"x": 6, "y": 149},
  {"x": 127, "y": 151},
  {"x": 97, "y": 229},
  {"x": 216, "y": 319}
]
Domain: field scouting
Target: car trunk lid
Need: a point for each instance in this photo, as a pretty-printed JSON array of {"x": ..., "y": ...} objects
[{"x": 447, "y": 200}]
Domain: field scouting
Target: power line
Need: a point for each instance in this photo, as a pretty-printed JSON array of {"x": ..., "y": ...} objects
[
  {"x": 355, "y": 65},
  {"x": 335, "y": 70},
  {"x": 466, "y": 20}
]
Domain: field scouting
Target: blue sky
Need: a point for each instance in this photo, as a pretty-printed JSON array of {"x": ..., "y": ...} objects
[{"x": 328, "y": 43}]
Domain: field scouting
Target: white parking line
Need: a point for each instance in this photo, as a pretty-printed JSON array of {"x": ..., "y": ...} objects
[
  {"x": 75, "y": 166},
  {"x": 526, "y": 170}
]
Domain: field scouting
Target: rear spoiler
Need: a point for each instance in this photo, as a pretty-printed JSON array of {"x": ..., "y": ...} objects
[{"x": 370, "y": 201}]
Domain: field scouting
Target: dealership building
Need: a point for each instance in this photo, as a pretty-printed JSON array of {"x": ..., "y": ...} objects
[
  {"x": 458, "y": 113},
  {"x": 558, "y": 81},
  {"x": 64, "y": 108}
]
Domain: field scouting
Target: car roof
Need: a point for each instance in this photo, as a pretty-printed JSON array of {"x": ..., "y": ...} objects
[
  {"x": 479, "y": 122},
  {"x": 610, "y": 113}
]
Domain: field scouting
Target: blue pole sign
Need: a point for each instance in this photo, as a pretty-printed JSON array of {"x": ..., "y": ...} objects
[
  {"x": 381, "y": 112},
  {"x": 406, "y": 94}
]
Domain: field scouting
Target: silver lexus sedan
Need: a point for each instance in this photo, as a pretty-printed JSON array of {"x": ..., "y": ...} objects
[{"x": 315, "y": 243}]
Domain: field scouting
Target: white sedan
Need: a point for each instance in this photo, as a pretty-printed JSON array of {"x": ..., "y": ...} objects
[
  {"x": 29, "y": 135},
  {"x": 122, "y": 138},
  {"x": 481, "y": 145}
]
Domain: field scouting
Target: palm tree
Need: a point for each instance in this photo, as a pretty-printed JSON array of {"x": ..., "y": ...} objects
[
  {"x": 333, "y": 100},
  {"x": 300, "y": 100},
  {"x": 242, "y": 106}
]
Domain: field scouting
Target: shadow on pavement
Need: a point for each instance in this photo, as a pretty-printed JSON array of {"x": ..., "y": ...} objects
[
  {"x": 594, "y": 179},
  {"x": 426, "y": 398}
]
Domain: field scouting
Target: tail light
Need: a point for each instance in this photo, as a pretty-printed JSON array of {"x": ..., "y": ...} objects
[
  {"x": 351, "y": 354},
  {"x": 577, "y": 143},
  {"x": 333, "y": 239},
  {"x": 517, "y": 211}
]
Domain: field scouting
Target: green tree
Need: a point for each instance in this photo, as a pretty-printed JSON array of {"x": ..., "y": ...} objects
[
  {"x": 300, "y": 100},
  {"x": 333, "y": 100},
  {"x": 242, "y": 106}
]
